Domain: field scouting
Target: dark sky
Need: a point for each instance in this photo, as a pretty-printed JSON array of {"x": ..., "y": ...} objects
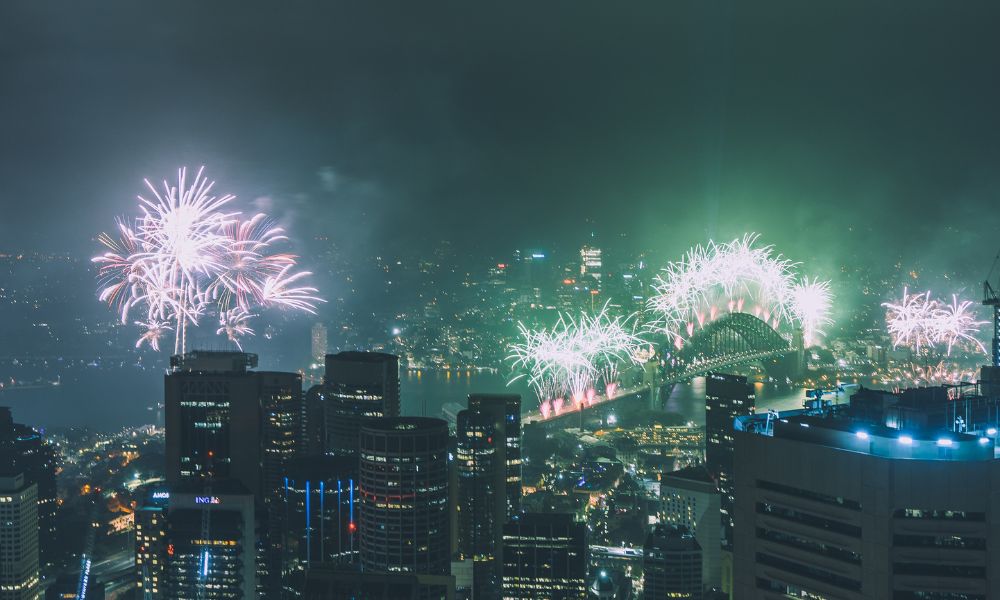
[{"x": 516, "y": 123}]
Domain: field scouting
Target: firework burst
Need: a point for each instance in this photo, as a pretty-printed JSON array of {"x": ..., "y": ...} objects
[
  {"x": 567, "y": 361},
  {"x": 735, "y": 276},
  {"x": 187, "y": 255},
  {"x": 919, "y": 321}
]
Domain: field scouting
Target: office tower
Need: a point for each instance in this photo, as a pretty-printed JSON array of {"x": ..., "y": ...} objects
[
  {"x": 150, "y": 540},
  {"x": 211, "y": 541},
  {"x": 225, "y": 421},
  {"x": 726, "y": 397},
  {"x": 832, "y": 505},
  {"x": 318, "y": 342},
  {"x": 545, "y": 556},
  {"x": 488, "y": 477},
  {"x": 357, "y": 387},
  {"x": 327, "y": 582},
  {"x": 690, "y": 499},
  {"x": 404, "y": 496},
  {"x": 18, "y": 538},
  {"x": 317, "y": 516},
  {"x": 506, "y": 410},
  {"x": 671, "y": 564},
  {"x": 23, "y": 450},
  {"x": 481, "y": 503}
]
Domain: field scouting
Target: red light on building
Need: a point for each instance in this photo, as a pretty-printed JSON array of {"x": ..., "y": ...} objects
[
  {"x": 352, "y": 527},
  {"x": 568, "y": 281},
  {"x": 170, "y": 549}
]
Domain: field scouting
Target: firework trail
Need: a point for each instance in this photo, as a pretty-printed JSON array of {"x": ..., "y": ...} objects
[
  {"x": 186, "y": 256},
  {"x": 810, "y": 302}
]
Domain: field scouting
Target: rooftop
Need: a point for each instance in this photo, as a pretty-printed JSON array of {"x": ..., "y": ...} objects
[{"x": 836, "y": 429}]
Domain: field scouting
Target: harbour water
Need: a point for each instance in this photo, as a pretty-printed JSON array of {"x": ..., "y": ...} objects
[{"x": 109, "y": 399}]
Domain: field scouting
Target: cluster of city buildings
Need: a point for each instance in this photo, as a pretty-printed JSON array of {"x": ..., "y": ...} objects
[{"x": 273, "y": 491}]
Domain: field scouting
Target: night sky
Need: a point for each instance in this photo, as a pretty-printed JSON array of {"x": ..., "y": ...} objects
[{"x": 392, "y": 125}]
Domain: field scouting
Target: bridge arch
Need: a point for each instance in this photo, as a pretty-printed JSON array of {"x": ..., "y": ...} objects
[{"x": 733, "y": 339}]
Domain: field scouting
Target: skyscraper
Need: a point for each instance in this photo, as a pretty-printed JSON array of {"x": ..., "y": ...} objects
[
  {"x": 150, "y": 540},
  {"x": 488, "y": 464},
  {"x": 211, "y": 542},
  {"x": 506, "y": 410},
  {"x": 726, "y": 397},
  {"x": 19, "y": 572},
  {"x": 545, "y": 556},
  {"x": 481, "y": 503},
  {"x": 830, "y": 505},
  {"x": 23, "y": 450},
  {"x": 318, "y": 512},
  {"x": 225, "y": 421},
  {"x": 357, "y": 387},
  {"x": 404, "y": 496},
  {"x": 690, "y": 498},
  {"x": 671, "y": 564}
]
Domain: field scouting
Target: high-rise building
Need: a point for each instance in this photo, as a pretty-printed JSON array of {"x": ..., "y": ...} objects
[
  {"x": 24, "y": 450},
  {"x": 226, "y": 421},
  {"x": 544, "y": 556},
  {"x": 404, "y": 496},
  {"x": 726, "y": 397},
  {"x": 506, "y": 410},
  {"x": 19, "y": 571},
  {"x": 211, "y": 542},
  {"x": 150, "y": 540},
  {"x": 671, "y": 564},
  {"x": 357, "y": 387},
  {"x": 488, "y": 478},
  {"x": 690, "y": 499},
  {"x": 833, "y": 505},
  {"x": 318, "y": 342},
  {"x": 317, "y": 516}
]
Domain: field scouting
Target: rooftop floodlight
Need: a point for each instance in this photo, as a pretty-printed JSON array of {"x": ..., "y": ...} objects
[
  {"x": 991, "y": 431},
  {"x": 906, "y": 440},
  {"x": 944, "y": 442},
  {"x": 862, "y": 435},
  {"x": 984, "y": 440}
]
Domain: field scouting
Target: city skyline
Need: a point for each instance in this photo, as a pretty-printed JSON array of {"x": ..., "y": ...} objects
[{"x": 449, "y": 301}]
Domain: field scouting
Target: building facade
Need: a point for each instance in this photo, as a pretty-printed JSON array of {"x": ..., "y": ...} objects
[
  {"x": 726, "y": 397},
  {"x": 357, "y": 387},
  {"x": 690, "y": 499},
  {"x": 24, "y": 450},
  {"x": 225, "y": 421},
  {"x": 211, "y": 542},
  {"x": 150, "y": 540},
  {"x": 671, "y": 564},
  {"x": 19, "y": 572},
  {"x": 829, "y": 505},
  {"x": 404, "y": 524},
  {"x": 545, "y": 556}
]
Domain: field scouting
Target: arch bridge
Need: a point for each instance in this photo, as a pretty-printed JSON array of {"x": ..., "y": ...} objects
[{"x": 731, "y": 340}]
